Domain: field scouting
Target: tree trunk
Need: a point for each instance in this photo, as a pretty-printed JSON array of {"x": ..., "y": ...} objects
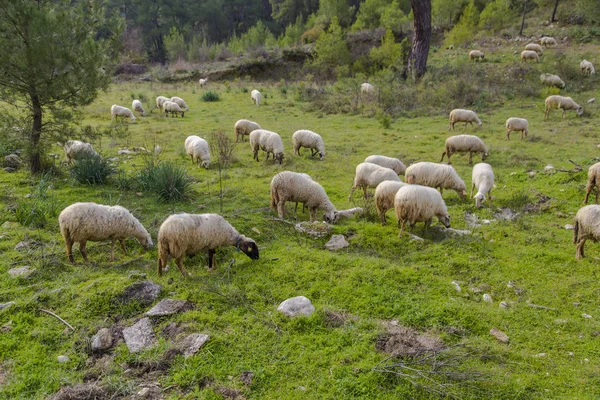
[
  {"x": 36, "y": 130},
  {"x": 419, "y": 51},
  {"x": 523, "y": 19},
  {"x": 554, "y": 11}
]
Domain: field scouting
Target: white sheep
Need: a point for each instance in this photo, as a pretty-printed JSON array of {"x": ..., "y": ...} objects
[
  {"x": 385, "y": 193},
  {"x": 552, "y": 80},
  {"x": 198, "y": 149},
  {"x": 483, "y": 180},
  {"x": 535, "y": 47},
  {"x": 586, "y": 226},
  {"x": 295, "y": 187},
  {"x": 465, "y": 144},
  {"x": 203, "y": 82},
  {"x": 548, "y": 41},
  {"x": 256, "y": 96},
  {"x": 371, "y": 175},
  {"x": 593, "y": 181},
  {"x": 243, "y": 127},
  {"x": 415, "y": 203},
  {"x": 476, "y": 55},
  {"x": 180, "y": 102},
  {"x": 565, "y": 103},
  {"x": 587, "y": 68},
  {"x": 434, "y": 175},
  {"x": 137, "y": 106},
  {"x": 367, "y": 88},
  {"x": 517, "y": 124},
  {"x": 310, "y": 140},
  {"x": 81, "y": 222},
  {"x": 529, "y": 55},
  {"x": 188, "y": 234},
  {"x": 269, "y": 142},
  {"x": 77, "y": 150},
  {"x": 173, "y": 108},
  {"x": 160, "y": 101},
  {"x": 388, "y": 162},
  {"x": 466, "y": 116},
  {"x": 119, "y": 111}
]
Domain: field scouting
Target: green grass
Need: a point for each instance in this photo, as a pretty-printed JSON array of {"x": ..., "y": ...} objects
[{"x": 379, "y": 277}]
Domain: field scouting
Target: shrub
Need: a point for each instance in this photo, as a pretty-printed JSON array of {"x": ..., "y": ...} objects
[
  {"x": 92, "y": 170},
  {"x": 384, "y": 119},
  {"x": 464, "y": 30},
  {"x": 211, "y": 96},
  {"x": 331, "y": 49},
  {"x": 167, "y": 180}
]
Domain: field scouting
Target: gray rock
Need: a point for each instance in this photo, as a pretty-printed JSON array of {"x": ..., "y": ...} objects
[
  {"x": 102, "y": 340},
  {"x": 590, "y": 101},
  {"x": 569, "y": 227},
  {"x": 63, "y": 359},
  {"x": 456, "y": 286},
  {"x": 143, "y": 292},
  {"x": 13, "y": 161},
  {"x": 487, "y": 298},
  {"x": 498, "y": 334},
  {"x": 336, "y": 242},
  {"x": 169, "y": 306},
  {"x": 22, "y": 245},
  {"x": 504, "y": 304},
  {"x": 415, "y": 238},
  {"x": 139, "y": 336},
  {"x": 506, "y": 214},
  {"x": 6, "y": 305},
  {"x": 192, "y": 343},
  {"x": 10, "y": 169},
  {"x": 456, "y": 232},
  {"x": 296, "y": 306},
  {"x": 549, "y": 169},
  {"x": 21, "y": 271}
]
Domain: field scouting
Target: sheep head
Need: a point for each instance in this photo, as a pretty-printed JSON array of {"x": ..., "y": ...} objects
[
  {"x": 479, "y": 198},
  {"x": 331, "y": 217},
  {"x": 145, "y": 241},
  {"x": 579, "y": 110},
  {"x": 248, "y": 246},
  {"x": 444, "y": 219}
]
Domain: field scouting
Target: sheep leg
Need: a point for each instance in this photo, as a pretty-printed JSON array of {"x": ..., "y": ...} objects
[
  {"x": 443, "y": 154},
  {"x": 237, "y": 137},
  {"x": 192, "y": 157},
  {"x": 365, "y": 192},
  {"x": 83, "y": 251},
  {"x": 579, "y": 252},
  {"x": 401, "y": 227},
  {"x": 69, "y": 246},
  {"x": 508, "y": 134},
  {"x": 441, "y": 190},
  {"x": 179, "y": 262},
  {"x": 427, "y": 224},
  {"x": 122, "y": 241},
  {"x": 281, "y": 209},
  {"x": 296, "y": 208},
  {"x": 351, "y": 193},
  {"x": 490, "y": 198},
  {"x": 112, "y": 250},
  {"x": 472, "y": 187},
  {"x": 588, "y": 190},
  {"x": 470, "y": 157},
  {"x": 564, "y": 113},
  {"x": 212, "y": 265},
  {"x": 383, "y": 220},
  {"x": 304, "y": 206},
  {"x": 256, "y": 155},
  {"x": 313, "y": 213}
]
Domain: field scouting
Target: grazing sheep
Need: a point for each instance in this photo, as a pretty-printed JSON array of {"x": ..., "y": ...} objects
[
  {"x": 198, "y": 149},
  {"x": 180, "y": 102},
  {"x": 517, "y": 124},
  {"x": 173, "y": 108},
  {"x": 466, "y": 116},
  {"x": 81, "y": 222},
  {"x": 269, "y": 142},
  {"x": 256, "y": 96},
  {"x": 388, "y": 162},
  {"x": 434, "y": 175},
  {"x": 483, "y": 180},
  {"x": 529, "y": 55},
  {"x": 548, "y": 41},
  {"x": 295, "y": 187},
  {"x": 476, "y": 55},
  {"x": 188, "y": 234},
  {"x": 552, "y": 80},
  {"x": 465, "y": 144},
  {"x": 371, "y": 175},
  {"x": 535, "y": 47},
  {"x": 203, "y": 82},
  {"x": 137, "y": 106},
  {"x": 367, "y": 88},
  {"x": 310, "y": 140},
  {"x": 593, "y": 182},
  {"x": 307, "y": 176},
  {"x": 160, "y": 100},
  {"x": 243, "y": 128},
  {"x": 587, "y": 68},
  {"x": 565, "y": 103},
  {"x": 415, "y": 203},
  {"x": 76, "y": 150},
  {"x": 586, "y": 226},
  {"x": 119, "y": 111},
  {"x": 385, "y": 193}
]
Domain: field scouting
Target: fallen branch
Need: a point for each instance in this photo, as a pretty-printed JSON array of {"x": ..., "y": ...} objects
[
  {"x": 282, "y": 220},
  {"x": 541, "y": 307},
  {"x": 127, "y": 262},
  {"x": 57, "y": 317}
]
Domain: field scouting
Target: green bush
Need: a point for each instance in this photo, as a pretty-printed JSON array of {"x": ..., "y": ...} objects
[
  {"x": 92, "y": 170},
  {"x": 167, "y": 180},
  {"x": 41, "y": 208},
  {"x": 211, "y": 96},
  {"x": 384, "y": 119}
]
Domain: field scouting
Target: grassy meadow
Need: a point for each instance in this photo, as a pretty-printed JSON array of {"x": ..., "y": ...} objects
[{"x": 553, "y": 350}]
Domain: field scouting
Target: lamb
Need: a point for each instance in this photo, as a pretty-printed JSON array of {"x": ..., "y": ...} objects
[
  {"x": 548, "y": 41},
  {"x": 198, "y": 149},
  {"x": 552, "y": 80},
  {"x": 173, "y": 108},
  {"x": 586, "y": 226},
  {"x": 269, "y": 142},
  {"x": 434, "y": 175},
  {"x": 77, "y": 150},
  {"x": 465, "y": 144},
  {"x": 476, "y": 55},
  {"x": 189, "y": 234},
  {"x": 203, "y": 82},
  {"x": 415, "y": 203},
  {"x": 310, "y": 140},
  {"x": 180, "y": 102},
  {"x": 593, "y": 181},
  {"x": 256, "y": 96},
  {"x": 385, "y": 193},
  {"x": 466, "y": 116},
  {"x": 81, "y": 222},
  {"x": 243, "y": 128},
  {"x": 388, "y": 162},
  {"x": 566, "y": 103},
  {"x": 587, "y": 68},
  {"x": 371, "y": 175},
  {"x": 517, "y": 124},
  {"x": 160, "y": 100},
  {"x": 118, "y": 111},
  {"x": 137, "y": 106},
  {"x": 483, "y": 180},
  {"x": 529, "y": 55},
  {"x": 295, "y": 187},
  {"x": 535, "y": 47},
  {"x": 367, "y": 88}
]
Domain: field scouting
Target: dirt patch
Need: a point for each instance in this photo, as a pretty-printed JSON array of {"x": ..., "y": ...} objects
[
  {"x": 84, "y": 392},
  {"x": 247, "y": 377},
  {"x": 173, "y": 329},
  {"x": 541, "y": 204},
  {"x": 334, "y": 319},
  {"x": 506, "y": 214},
  {"x": 403, "y": 341},
  {"x": 142, "y": 292},
  {"x": 162, "y": 364},
  {"x": 229, "y": 393}
]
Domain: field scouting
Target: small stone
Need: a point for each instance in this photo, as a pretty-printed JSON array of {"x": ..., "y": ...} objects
[
  {"x": 9, "y": 225},
  {"x": 586, "y": 360},
  {"x": 415, "y": 238},
  {"x": 28, "y": 196},
  {"x": 456, "y": 286},
  {"x": 168, "y": 307},
  {"x": 576, "y": 304},
  {"x": 143, "y": 393},
  {"x": 139, "y": 336},
  {"x": 138, "y": 194},
  {"x": 63, "y": 359},
  {"x": 487, "y": 298},
  {"x": 571, "y": 354},
  {"x": 102, "y": 340},
  {"x": 13, "y": 161},
  {"x": 584, "y": 315},
  {"x": 192, "y": 343},
  {"x": 504, "y": 304},
  {"x": 254, "y": 229},
  {"x": 125, "y": 152},
  {"x": 569, "y": 227},
  {"x": 590, "y": 101},
  {"x": 540, "y": 355},
  {"x": 296, "y": 306},
  {"x": 6, "y": 305},
  {"x": 21, "y": 271},
  {"x": 336, "y": 242},
  {"x": 144, "y": 292},
  {"x": 22, "y": 245},
  {"x": 532, "y": 174},
  {"x": 302, "y": 388},
  {"x": 498, "y": 334},
  {"x": 10, "y": 169},
  {"x": 549, "y": 168}
]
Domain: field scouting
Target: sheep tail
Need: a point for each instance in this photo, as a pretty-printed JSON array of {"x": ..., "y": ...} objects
[
  {"x": 575, "y": 232},
  {"x": 274, "y": 199}
]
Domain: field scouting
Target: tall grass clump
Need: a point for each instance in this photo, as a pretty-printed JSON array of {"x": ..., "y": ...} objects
[
  {"x": 211, "y": 96},
  {"x": 168, "y": 181},
  {"x": 93, "y": 170},
  {"x": 42, "y": 207}
]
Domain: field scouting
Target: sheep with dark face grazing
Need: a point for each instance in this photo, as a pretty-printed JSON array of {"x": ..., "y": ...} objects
[
  {"x": 189, "y": 234},
  {"x": 199, "y": 150},
  {"x": 173, "y": 108},
  {"x": 137, "y": 106},
  {"x": 269, "y": 142},
  {"x": 123, "y": 112}
]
